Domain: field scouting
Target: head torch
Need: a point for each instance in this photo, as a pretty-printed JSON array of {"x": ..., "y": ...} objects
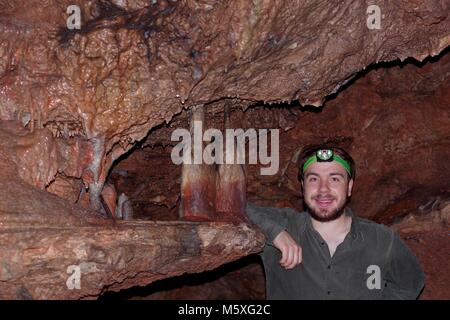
[{"x": 327, "y": 155}]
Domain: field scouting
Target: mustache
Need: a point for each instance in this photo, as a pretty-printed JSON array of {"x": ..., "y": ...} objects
[{"x": 324, "y": 197}]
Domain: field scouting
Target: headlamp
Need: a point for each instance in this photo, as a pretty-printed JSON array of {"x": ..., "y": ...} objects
[{"x": 327, "y": 155}]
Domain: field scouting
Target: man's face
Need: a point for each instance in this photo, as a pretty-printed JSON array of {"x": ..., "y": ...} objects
[{"x": 326, "y": 187}]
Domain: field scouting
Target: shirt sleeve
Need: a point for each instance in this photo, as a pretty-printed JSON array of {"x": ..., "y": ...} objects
[
  {"x": 405, "y": 278},
  {"x": 271, "y": 220}
]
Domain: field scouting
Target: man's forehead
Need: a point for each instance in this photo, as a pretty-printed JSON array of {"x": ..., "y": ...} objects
[{"x": 325, "y": 167}]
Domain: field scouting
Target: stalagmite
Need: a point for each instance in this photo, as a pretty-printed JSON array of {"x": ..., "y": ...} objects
[
  {"x": 231, "y": 184},
  {"x": 198, "y": 180},
  {"x": 124, "y": 209},
  {"x": 109, "y": 195},
  {"x": 96, "y": 185}
]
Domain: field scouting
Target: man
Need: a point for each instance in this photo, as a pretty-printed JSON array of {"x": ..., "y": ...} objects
[{"x": 328, "y": 252}]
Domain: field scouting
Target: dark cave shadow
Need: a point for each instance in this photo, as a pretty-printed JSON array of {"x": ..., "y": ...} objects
[
  {"x": 196, "y": 279},
  {"x": 140, "y": 144}
]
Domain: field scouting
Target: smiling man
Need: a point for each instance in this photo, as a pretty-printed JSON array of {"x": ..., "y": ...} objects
[{"x": 327, "y": 252}]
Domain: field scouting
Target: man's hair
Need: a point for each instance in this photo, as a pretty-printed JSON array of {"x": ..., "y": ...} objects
[{"x": 310, "y": 150}]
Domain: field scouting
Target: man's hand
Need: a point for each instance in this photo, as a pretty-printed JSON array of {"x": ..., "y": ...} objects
[{"x": 291, "y": 252}]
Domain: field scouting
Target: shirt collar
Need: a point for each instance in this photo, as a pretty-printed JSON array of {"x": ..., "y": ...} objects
[{"x": 355, "y": 232}]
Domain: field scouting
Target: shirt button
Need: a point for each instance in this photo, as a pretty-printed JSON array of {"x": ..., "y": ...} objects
[
  {"x": 329, "y": 267},
  {"x": 322, "y": 243},
  {"x": 328, "y": 292}
]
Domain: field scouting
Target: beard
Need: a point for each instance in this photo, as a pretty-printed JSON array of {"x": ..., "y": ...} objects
[{"x": 322, "y": 215}]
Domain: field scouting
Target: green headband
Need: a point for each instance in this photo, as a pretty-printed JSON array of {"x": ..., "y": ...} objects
[{"x": 327, "y": 155}]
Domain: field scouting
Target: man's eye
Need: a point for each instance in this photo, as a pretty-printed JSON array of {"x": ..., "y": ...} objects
[
  {"x": 335, "y": 179},
  {"x": 312, "y": 179}
]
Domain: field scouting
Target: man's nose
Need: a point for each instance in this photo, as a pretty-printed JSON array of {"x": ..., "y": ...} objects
[{"x": 324, "y": 187}]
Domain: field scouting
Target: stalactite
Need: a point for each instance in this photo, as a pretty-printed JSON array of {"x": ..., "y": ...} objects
[{"x": 96, "y": 185}]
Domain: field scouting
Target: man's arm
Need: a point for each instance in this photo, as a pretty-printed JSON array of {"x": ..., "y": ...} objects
[
  {"x": 273, "y": 222},
  {"x": 405, "y": 278}
]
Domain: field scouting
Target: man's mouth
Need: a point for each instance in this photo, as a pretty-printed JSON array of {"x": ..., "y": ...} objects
[{"x": 324, "y": 202}]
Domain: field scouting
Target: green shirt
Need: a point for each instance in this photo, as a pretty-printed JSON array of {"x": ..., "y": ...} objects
[{"x": 371, "y": 263}]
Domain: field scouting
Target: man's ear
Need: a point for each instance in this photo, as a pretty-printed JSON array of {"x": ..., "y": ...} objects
[{"x": 350, "y": 187}]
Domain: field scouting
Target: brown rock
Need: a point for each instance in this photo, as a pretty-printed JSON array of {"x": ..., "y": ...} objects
[
  {"x": 129, "y": 254},
  {"x": 66, "y": 188},
  {"x": 109, "y": 194},
  {"x": 426, "y": 233}
]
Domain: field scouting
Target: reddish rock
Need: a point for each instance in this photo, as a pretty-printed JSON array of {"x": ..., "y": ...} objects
[
  {"x": 426, "y": 233},
  {"x": 66, "y": 188},
  {"x": 109, "y": 195},
  {"x": 128, "y": 254}
]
